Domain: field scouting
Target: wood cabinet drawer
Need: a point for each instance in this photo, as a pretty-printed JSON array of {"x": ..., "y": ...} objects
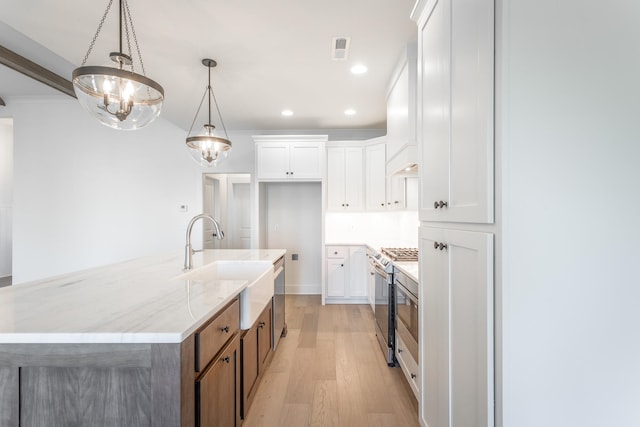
[
  {"x": 214, "y": 335},
  {"x": 337, "y": 251}
]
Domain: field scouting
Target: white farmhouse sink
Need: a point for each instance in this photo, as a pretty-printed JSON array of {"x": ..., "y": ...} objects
[{"x": 254, "y": 297}]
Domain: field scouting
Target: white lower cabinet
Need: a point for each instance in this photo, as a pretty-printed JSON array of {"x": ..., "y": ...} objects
[
  {"x": 409, "y": 366},
  {"x": 456, "y": 315},
  {"x": 346, "y": 268}
]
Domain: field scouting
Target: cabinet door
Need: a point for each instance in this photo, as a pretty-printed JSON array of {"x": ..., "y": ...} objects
[
  {"x": 250, "y": 368},
  {"x": 375, "y": 166},
  {"x": 306, "y": 161},
  {"x": 218, "y": 390},
  {"x": 455, "y": 126},
  {"x": 456, "y": 316},
  {"x": 336, "y": 177},
  {"x": 336, "y": 277},
  {"x": 357, "y": 271},
  {"x": 396, "y": 192},
  {"x": 354, "y": 185},
  {"x": 272, "y": 160},
  {"x": 264, "y": 338}
]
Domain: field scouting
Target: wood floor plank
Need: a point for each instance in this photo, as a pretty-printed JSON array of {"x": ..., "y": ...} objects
[
  {"x": 300, "y": 386},
  {"x": 324, "y": 367},
  {"x": 324, "y": 410},
  {"x": 295, "y": 415}
]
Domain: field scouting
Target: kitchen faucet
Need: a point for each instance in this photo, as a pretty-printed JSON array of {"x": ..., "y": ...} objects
[{"x": 188, "y": 250}]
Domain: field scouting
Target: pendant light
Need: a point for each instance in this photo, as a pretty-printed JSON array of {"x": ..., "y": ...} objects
[
  {"x": 209, "y": 147},
  {"x": 118, "y": 97}
]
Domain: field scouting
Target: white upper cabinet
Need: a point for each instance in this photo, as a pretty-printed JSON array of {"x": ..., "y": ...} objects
[
  {"x": 401, "y": 113},
  {"x": 375, "y": 181},
  {"x": 283, "y": 158},
  {"x": 455, "y": 110},
  {"x": 345, "y": 179}
]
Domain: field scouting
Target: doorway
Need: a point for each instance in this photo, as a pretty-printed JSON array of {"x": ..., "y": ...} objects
[
  {"x": 6, "y": 199},
  {"x": 291, "y": 214},
  {"x": 227, "y": 197}
]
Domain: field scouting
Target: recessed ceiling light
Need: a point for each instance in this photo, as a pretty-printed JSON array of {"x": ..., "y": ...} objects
[
  {"x": 287, "y": 113},
  {"x": 359, "y": 69},
  {"x": 350, "y": 112}
]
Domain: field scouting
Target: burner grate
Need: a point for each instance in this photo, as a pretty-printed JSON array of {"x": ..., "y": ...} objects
[{"x": 401, "y": 254}]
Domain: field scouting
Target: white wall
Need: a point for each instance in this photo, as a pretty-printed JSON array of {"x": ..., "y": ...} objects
[
  {"x": 6, "y": 194},
  {"x": 569, "y": 128},
  {"x": 87, "y": 195}
]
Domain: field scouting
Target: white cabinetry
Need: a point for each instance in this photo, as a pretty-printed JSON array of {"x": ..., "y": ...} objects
[
  {"x": 401, "y": 113},
  {"x": 456, "y": 318},
  {"x": 346, "y": 268},
  {"x": 283, "y": 158},
  {"x": 455, "y": 110},
  {"x": 375, "y": 172},
  {"x": 345, "y": 179}
]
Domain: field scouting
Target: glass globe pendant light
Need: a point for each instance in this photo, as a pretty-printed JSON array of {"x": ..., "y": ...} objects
[
  {"x": 118, "y": 97},
  {"x": 208, "y": 147}
]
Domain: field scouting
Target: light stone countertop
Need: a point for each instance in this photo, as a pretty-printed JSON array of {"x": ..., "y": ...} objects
[{"x": 138, "y": 301}]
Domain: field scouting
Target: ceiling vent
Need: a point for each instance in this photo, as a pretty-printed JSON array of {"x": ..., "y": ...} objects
[{"x": 340, "y": 48}]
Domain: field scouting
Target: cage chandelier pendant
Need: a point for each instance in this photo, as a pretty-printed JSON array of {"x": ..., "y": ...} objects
[
  {"x": 207, "y": 148},
  {"x": 119, "y": 97}
]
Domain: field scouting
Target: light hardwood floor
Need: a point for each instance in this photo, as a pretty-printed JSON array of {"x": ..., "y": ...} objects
[{"x": 329, "y": 371}]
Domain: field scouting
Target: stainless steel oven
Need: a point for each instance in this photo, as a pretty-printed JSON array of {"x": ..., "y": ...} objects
[
  {"x": 384, "y": 305},
  {"x": 406, "y": 298}
]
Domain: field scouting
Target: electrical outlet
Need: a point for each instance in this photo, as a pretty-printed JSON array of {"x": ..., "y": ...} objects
[{"x": 294, "y": 257}]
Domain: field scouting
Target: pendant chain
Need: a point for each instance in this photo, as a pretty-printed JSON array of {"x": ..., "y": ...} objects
[{"x": 95, "y": 37}]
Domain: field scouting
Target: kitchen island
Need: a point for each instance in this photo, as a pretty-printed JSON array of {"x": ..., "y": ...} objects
[{"x": 134, "y": 343}]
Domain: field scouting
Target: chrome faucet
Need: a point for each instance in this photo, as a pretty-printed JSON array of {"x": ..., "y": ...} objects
[{"x": 188, "y": 250}]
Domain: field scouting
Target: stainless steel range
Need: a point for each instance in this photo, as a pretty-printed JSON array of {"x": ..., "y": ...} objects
[{"x": 385, "y": 303}]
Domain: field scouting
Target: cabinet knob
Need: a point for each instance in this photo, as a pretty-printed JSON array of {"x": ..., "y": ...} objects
[
  {"x": 439, "y": 245},
  {"x": 413, "y": 376},
  {"x": 291, "y": 173},
  {"x": 396, "y": 202},
  {"x": 287, "y": 173},
  {"x": 441, "y": 204},
  {"x": 347, "y": 205},
  {"x": 261, "y": 325},
  {"x": 343, "y": 204},
  {"x": 335, "y": 253},
  {"x": 226, "y": 359},
  {"x": 381, "y": 204},
  {"x": 373, "y": 274},
  {"x": 399, "y": 350},
  {"x": 225, "y": 329},
  {"x": 341, "y": 265}
]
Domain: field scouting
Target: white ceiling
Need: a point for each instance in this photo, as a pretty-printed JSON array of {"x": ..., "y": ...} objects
[{"x": 272, "y": 54}]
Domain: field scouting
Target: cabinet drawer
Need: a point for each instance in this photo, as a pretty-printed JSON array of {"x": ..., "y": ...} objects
[
  {"x": 337, "y": 251},
  {"x": 213, "y": 336},
  {"x": 408, "y": 365}
]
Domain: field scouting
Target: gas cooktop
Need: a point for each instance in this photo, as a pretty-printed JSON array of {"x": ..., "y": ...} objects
[{"x": 401, "y": 254}]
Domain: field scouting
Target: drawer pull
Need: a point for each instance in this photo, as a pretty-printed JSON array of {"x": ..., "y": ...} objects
[
  {"x": 441, "y": 204},
  {"x": 441, "y": 246},
  {"x": 225, "y": 329}
]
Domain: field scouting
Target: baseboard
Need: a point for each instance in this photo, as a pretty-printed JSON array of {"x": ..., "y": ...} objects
[
  {"x": 354, "y": 300},
  {"x": 303, "y": 289}
]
